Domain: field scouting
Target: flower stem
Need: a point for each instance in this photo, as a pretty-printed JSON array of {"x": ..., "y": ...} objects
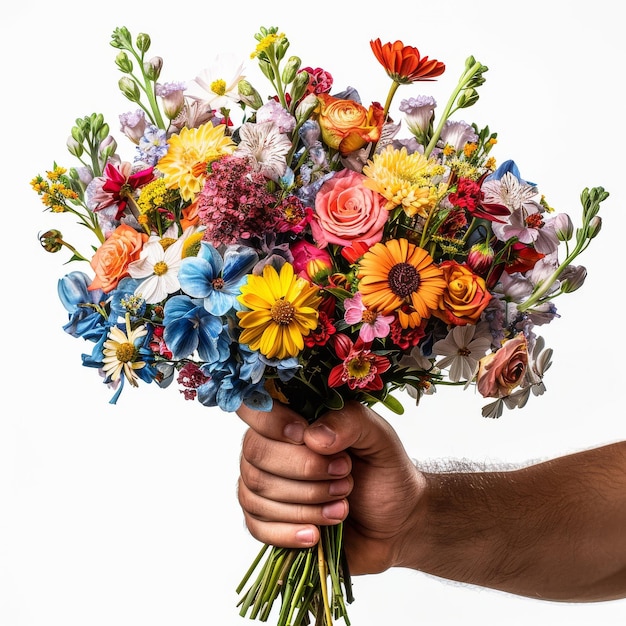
[
  {"x": 466, "y": 77},
  {"x": 591, "y": 200},
  {"x": 321, "y": 561}
]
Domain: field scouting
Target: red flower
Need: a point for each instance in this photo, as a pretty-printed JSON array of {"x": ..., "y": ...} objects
[
  {"x": 322, "y": 334},
  {"x": 522, "y": 258},
  {"x": 469, "y": 196},
  {"x": 320, "y": 81},
  {"x": 361, "y": 368},
  {"x": 406, "y": 338},
  {"x": 119, "y": 185},
  {"x": 404, "y": 64}
]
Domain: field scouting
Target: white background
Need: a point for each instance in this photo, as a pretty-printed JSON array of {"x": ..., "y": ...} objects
[{"x": 127, "y": 515}]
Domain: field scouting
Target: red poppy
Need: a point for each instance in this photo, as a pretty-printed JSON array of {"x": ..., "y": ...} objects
[{"x": 404, "y": 64}]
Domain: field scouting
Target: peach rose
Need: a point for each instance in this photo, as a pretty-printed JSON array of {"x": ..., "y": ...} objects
[
  {"x": 347, "y": 211},
  {"x": 501, "y": 371},
  {"x": 346, "y": 125},
  {"x": 465, "y": 296},
  {"x": 112, "y": 258}
]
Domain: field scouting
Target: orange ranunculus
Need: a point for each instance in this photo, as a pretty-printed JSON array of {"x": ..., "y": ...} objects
[
  {"x": 501, "y": 371},
  {"x": 111, "y": 260},
  {"x": 346, "y": 125},
  {"x": 404, "y": 64},
  {"x": 465, "y": 297}
]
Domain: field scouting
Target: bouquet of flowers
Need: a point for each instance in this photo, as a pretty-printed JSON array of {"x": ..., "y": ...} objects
[{"x": 308, "y": 253}]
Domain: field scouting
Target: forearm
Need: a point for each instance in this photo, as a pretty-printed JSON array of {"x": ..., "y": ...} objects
[{"x": 555, "y": 530}]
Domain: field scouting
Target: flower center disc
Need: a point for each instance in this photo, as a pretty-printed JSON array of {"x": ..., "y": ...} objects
[
  {"x": 125, "y": 352},
  {"x": 282, "y": 312},
  {"x": 403, "y": 279}
]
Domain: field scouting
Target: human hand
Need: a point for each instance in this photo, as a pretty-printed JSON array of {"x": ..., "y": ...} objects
[{"x": 295, "y": 477}]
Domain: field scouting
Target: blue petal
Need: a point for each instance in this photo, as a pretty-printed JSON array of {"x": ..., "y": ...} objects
[
  {"x": 258, "y": 398},
  {"x": 181, "y": 337},
  {"x": 195, "y": 276},
  {"x": 238, "y": 261},
  {"x": 72, "y": 290},
  {"x": 176, "y": 307},
  {"x": 210, "y": 254},
  {"x": 219, "y": 302}
]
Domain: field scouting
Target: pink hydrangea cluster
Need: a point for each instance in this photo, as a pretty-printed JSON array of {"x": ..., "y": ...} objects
[{"x": 235, "y": 204}]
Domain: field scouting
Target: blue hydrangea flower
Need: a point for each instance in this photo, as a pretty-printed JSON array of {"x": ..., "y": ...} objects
[
  {"x": 285, "y": 368},
  {"x": 228, "y": 390},
  {"x": 86, "y": 319},
  {"x": 217, "y": 279},
  {"x": 190, "y": 327}
]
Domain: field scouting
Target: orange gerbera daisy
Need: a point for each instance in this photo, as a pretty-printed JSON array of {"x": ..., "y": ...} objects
[
  {"x": 397, "y": 273},
  {"x": 404, "y": 64}
]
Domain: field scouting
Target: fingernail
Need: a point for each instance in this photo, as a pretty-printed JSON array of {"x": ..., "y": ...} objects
[
  {"x": 294, "y": 432},
  {"x": 322, "y": 435},
  {"x": 338, "y": 467},
  {"x": 334, "y": 510},
  {"x": 305, "y": 536},
  {"x": 339, "y": 487}
]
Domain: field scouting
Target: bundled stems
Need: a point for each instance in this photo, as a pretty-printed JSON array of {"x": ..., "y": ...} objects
[{"x": 302, "y": 582}]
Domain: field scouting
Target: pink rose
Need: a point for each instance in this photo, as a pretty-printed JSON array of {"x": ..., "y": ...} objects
[
  {"x": 501, "y": 371},
  {"x": 347, "y": 211}
]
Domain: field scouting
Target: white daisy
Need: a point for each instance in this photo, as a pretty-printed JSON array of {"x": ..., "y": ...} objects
[
  {"x": 120, "y": 352},
  {"x": 158, "y": 265},
  {"x": 220, "y": 81}
]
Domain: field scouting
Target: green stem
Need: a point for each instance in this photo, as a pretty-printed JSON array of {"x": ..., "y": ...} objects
[
  {"x": 390, "y": 95},
  {"x": 465, "y": 78}
]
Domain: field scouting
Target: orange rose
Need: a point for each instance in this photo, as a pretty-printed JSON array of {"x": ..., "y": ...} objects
[
  {"x": 346, "y": 125},
  {"x": 112, "y": 258},
  {"x": 465, "y": 296},
  {"x": 501, "y": 371}
]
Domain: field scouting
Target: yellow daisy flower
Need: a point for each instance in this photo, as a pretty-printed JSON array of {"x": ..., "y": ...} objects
[
  {"x": 188, "y": 154},
  {"x": 404, "y": 179},
  {"x": 399, "y": 277},
  {"x": 282, "y": 310}
]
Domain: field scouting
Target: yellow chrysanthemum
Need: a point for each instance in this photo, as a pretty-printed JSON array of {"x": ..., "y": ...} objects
[
  {"x": 282, "y": 310},
  {"x": 188, "y": 154},
  {"x": 404, "y": 179},
  {"x": 399, "y": 277}
]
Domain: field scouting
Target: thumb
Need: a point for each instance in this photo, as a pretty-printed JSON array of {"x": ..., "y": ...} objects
[{"x": 359, "y": 428}]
